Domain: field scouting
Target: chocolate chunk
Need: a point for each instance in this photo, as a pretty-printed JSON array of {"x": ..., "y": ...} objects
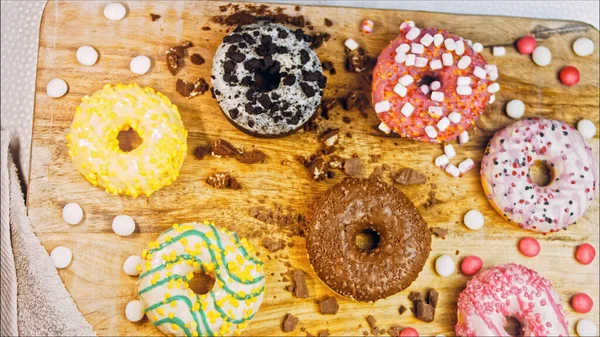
[
  {"x": 296, "y": 8},
  {"x": 252, "y": 157},
  {"x": 265, "y": 101},
  {"x": 432, "y": 298},
  {"x": 154, "y": 17},
  {"x": 373, "y": 325},
  {"x": 289, "y": 80},
  {"x": 394, "y": 330},
  {"x": 249, "y": 39},
  {"x": 328, "y": 105},
  {"x": 289, "y": 323},
  {"x": 330, "y": 137},
  {"x": 297, "y": 21},
  {"x": 323, "y": 333},
  {"x": 439, "y": 232},
  {"x": 329, "y": 306},
  {"x": 179, "y": 51},
  {"x": 234, "y": 113},
  {"x": 358, "y": 62},
  {"x": 299, "y": 281},
  {"x": 346, "y": 120},
  {"x": 233, "y": 38},
  {"x": 304, "y": 57},
  {"x": 416, "y": 296},
  {"x": 222, "y": 148},
  {"x": 282, "y": 34},
  {"x": 189, "y": 90},
  {"x": 222, "y": 180},
  {"x": 322, "y": 82},
  {"x": 318, "y": 169},
  {"x": 235, "y": 56},
  {"x": 205, "y": 28},
  {"x": 173, "y": 62},
  {"x": 353, "y": 167},
  {"x": 197, "y": 59},
  {"x": 307, "y": 89},
  {"x": 328, "y": 22},
  {"x": 402, "y": 309},
  {"x": 202, "y": 151},
  {"x": 408, "y": 176},
  {"x": 424, "y": 311},
  {"x": 273, "y": 245}
]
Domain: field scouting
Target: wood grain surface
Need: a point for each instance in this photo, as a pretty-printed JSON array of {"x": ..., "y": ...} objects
[{"x": 95, "y": 278}]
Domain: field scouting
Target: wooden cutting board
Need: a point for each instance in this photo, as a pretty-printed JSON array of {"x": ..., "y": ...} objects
[{"x": 95, "y": 278}]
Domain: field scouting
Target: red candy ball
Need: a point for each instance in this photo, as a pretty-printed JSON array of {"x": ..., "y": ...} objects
[
  {"x": 529, "y": 246},
  {"x": 585, "y": 253},
  {"x": 582, "y": 303},
  {"x": 470, "y": 265},
  {"x": 569, "y": 75},
  {"x": 409, "y": 332},
  {"x": 526, "y": 44}
]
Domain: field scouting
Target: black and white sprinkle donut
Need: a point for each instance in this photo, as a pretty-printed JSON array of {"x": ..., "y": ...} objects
[{"x": 267, "y": 80}]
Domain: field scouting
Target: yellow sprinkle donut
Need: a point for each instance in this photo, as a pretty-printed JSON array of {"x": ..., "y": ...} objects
[{"x": 94, "y": 148}]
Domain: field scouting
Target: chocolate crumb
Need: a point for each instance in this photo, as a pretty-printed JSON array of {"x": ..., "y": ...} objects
[
  {"x": 365, "y": 333},
  {"x": 415, "y": 296},
  {"x": 432, "y": 298},
  {"x": 394, "y": 330},
  {"x": 187, "y": 44},
  {"x": 273, "y": 245},
  {"x": 323, "y": 333},
  {"x": 402, "y": 309},
  {"x": 297, "y": 8},
  {"x": 346, "y": 120},
  {"x": 299, "y": 281},
  {"x": 205, "y": 28},
  {"x": 223, "y": 148},
  {"x": 424, "y": 311},
  {"x": 336, "y": 162},
  {"x": 189, "y": 90},
  {"x": 222, "y": 180},
  {"x": 439, "y": 232},
  {"x": 358, "y": 62},
  {"x": 327, "y": 105},
  {"x": 154, "y": 17},
  {"x": 197, "y": 59},
  {"x": 457, "y": 252},
  {"x": 373, "y": 325},
  {"x": 329, "y": 306},
  {"x": 252, "y": 157},
  {"x": 202, "y": 151},
  {"x": 318, "y": 169},
  {"x": 328, "y": 22},
  {"x": 330, "y": 137},
  {"x": 353, "y": 167},
  {"x": 289, "y": 323},
  {"x": 408, "y": 176}
]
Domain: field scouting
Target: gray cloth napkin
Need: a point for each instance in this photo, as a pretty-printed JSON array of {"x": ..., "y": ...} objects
[{"x": 34, "y": 301}]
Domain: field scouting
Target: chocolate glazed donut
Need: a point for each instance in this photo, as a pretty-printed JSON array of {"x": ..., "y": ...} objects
[{"x": 400, "y": 239}]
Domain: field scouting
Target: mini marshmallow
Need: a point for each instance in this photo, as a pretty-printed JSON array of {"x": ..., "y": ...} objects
[
  {"x": 449, "y": 44},
  {"x": 460, "y": 47},
  {"x": 442, "y": 161},
  {"x": 492, "y": 98},
  {"x": 407, "y": 109},
  {"x": 351, "y": 44},
  {"x": 123, "y": 225},
  {"x": 86, "y": 55},
  {"x": 131, "y": 264},
  {"x": 447, "y": 59},
  {"x": 425, "y": 89},
  {"x": 413, "y": 33},
  {"x": 400, "y": 90},
  {"x": 583, "y": 46},
  {"x": 61, "y": 257},
  {"x": 479, "y": 72},
  {"x": 435, "y": 85},
  {"x": 403, "y": 48},
  {"x": 140, "y": 64},
  {"x": 426, "y": 40},
  {"x": 454, "y": 117},
  {"x": 444, "y": 266},
  {"x": 463, "y": 80},
  {"x": 421, "y": 62},
  {"x": 473, "y": 220},
  {"x": 469, "y": 43},
  {"x": 466, "y": 165},
  {"x": 72, "y": 213},
  {"x": 407, "y": 24},
  {"x": 464, "y": 90},
  {"x": 587, "y": 128},
  {"x": 494, "y": 87},
  {"x": 443, "y": 123},
  {"x": 477, "y": 47},
  {"x": 541, "y": 56},
  {"x": 464, "y": 62},
  {"x": 386, "y": 129},
  {"x": 382, "y": 106},
  {"x": 438, "y": 39},
  {"x": 515, "y": 109},
  {"x": 430, "y": 131},
  {"x": 436, "y": 110},
  {"x": 400, "y": 58},
  {"x": 410, "y": 60},
  {"x": 134, "y": 311},
  {"x": 435, "y": 64},
  {"x": 417, "y": 48},
  {"x": 406, "y": 80},
  {"x": 492, "y": 71},
  {"x": 449, "y": 151},
  {"x": 115, "y": 11},
  {"x": 57, "y": 88},
  {"x": 463, "y": 137},
  {"x": 498, "y": 51},
  {"x": 452, "y": 170},
  {"x": 437, "y": 96}
]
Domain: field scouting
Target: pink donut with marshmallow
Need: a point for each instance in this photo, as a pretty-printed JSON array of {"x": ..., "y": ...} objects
[
  {"x": 510, "y": 290},
  {"x": 508, "y": 185}
]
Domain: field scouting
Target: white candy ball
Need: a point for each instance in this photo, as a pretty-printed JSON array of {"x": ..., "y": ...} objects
[
  {"x": 134, "y": 311},
  {"x": 515, "y": 109},
  {"x": 115, "y": 11},
  {"x": 72, "y": 213},
  {"x": 61, "y": 257},
  {"x": 583, "y": 46},
  {"x": 57, "y": 88},
  {"x": 585, "y": 327},
  {"x": 473, "y": 220},
  {"x": 130, "y": 265},
  {"x": 444, "y": 265},
  {"x": 140, "y": 64},
  {"x": 123, "y": 225},
  {"x": 542, "y": 56},
  {"x": 87, "y": 55},
  {"x": 587, "y": 128}
]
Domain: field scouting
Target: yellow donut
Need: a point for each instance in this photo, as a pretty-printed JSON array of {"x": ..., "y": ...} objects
[{"x": 94, "y": 148}]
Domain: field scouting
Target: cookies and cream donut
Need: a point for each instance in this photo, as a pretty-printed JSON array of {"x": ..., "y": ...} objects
[
  {"x": 506, "y": 179},
  {"x": 505, "y": 291},
  {"x": 430, "y": 85},
  {"x": 268, "y": 81},
  {"x": 400, "y": 247},
  {"x": 169, "y": 264},
  {"x": 94, "y": 147}
]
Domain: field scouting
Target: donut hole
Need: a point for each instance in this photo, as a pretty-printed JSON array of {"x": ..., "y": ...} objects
[
  {"x": 427, "y": 79},
  {"x": 202, "y": 283},
  {"x": 268, "y": 78},
  {"x": 129, "y": 139},
  {"x": 513, "y": 326},
  {"x": 540, "y": 173},
  {"x": 367, "y": 240}
]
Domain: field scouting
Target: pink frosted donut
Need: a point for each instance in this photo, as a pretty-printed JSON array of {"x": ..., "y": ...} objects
[
  {"x": 510, "y": 189},
  {"x": 430, "y": 85},
  {"x": 510, "y": 290}
]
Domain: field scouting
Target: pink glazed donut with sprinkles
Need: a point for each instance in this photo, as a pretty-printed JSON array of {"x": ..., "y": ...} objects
[
  {"x": 508, "y": 185},
  {"x": 510, "y": 290}
]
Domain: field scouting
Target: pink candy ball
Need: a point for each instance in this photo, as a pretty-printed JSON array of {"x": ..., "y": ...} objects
[
  {"x": 470, "y": 265},
  {"x": 582, "y": 303},
  {"x": 526, "y": 44},
  {"x": 529, "y": 246},
  {"x": 409, "y": 332},
  {"x": 569, "y": 75},
  {"x": 585, "y": 253}
]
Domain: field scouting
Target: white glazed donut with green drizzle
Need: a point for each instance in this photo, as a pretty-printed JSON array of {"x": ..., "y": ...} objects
[{"x": 169, "y": 264}]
